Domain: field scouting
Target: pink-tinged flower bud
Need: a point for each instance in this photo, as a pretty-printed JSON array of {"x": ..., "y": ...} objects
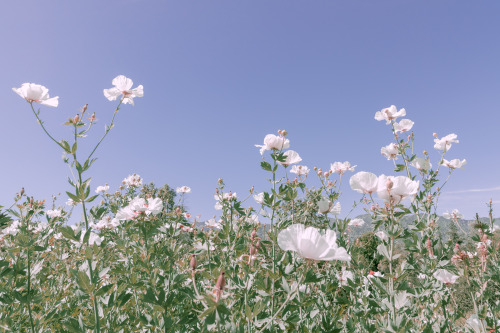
[
  {"x": 491, "y": 202},
  {"x": 31, "y": 200},
  {"x": 315, "y": 168},
  {"x": 284, "y": 133},
  {"x": 253, "y": 250},
  {"x": 372, "y": 208},
  {"x": 193, "y": 262},
  {"x": 84, "y": 108},
  {"x": 220, "y": 181},
  {"x": 320, "y": 171},
  {"x": 279, "y": 132},
  {"x": 435, "y": 134},
  {"x": 389, "y": 184},
  {"x": 76, "y": 119},
  {"x": 254, "y": 233},
  {"x": 221, "y": 281},
  {"x": 22, "y": 192},
  {"x": 178, "y": 211},
  {"x": 425, "y": 152},
  {"x": 252, "y": 189},
  {"x": 457, "y": 248}
]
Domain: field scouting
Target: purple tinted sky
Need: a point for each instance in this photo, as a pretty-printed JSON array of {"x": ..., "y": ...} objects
[{"x": 220, "y": 75}]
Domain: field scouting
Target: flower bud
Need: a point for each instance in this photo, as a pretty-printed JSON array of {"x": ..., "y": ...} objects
[
  {"x": 284, "y": 133},
  {"x": 435, "y": 134},
  {"x": 389, "y": 184},
  {"x": 193, "y": 262},
  {"x": 22, "y": 192},
  {"x": 76, "y": 119}
]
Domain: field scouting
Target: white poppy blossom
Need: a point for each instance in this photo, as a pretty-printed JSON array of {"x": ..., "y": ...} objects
[
  {"x": 445, "y": 142},
  {"x": 183, "y": 189},
  {"x": 421, "y": 163},
  {"x": 454, "y": 164},
  {"x": 123, "y": 86},
  {"x": 54, "y": 213},
  {"x": 325, "y": 206},
  {"x": 274, "y": 142},
  {"x": 356, "y": 222},
  {"x": 444, "y": 276},
  {"x": 309, "y": 243},
  {"x": 382, "y": 235},
  {"x": 259, "y": 198},
  {"x": 364, "y": 182},
  {"x": 341, "y": 168},
  {"x": 395, "y": 189},
  {"x": 292, "y": 157},
  {"x": 212, "y": 223},
  {"x": 389, "y": 114},
  {"x": 454, "y": 215},
  {"x": 36, "y": 93},
  {"x": 390, "y": 151},
  {"x": 403, "y": 126},
  {"x": 102, "y": 189},
  {"x": 133, "y": 181},
  {"x": 300, "y": 170}
]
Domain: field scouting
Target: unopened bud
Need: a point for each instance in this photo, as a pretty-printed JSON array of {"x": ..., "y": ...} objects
[
  {"x": 84, "y": 108},
  {"x": 284, "y": 133},
  {"x": 435, "y": 134},
  {"x": 221, "y": 281},
  {"x": 76, "y": 119},
  {"x": 326, "y": 174},
  {"x": 252, "y": 189},
  {"x": 253, "y": 250},
  {"x": 193, "y": 262},
  {"x": 22, "y": 192}
]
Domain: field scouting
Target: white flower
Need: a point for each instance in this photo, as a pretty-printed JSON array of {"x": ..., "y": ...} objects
[
  {"x": 421, "y": 276},
  {"x": 445, "y": 276},
  {"x": 421, "y": 163},
  {"x": 310, "y": 244},
  {"x": 474, "y": 323},
  {"x": 389, "y": 114},
  {"x": 445, "y": 142},
  {"x": 183, "y": 189},
  {"x": 454, "y": 215},
  {"x": 133, "y": 180},
  {"x": 364, "y": 182},
  {"x": 154, "y": 206},
  {"x": 292, "y": 157},
  {"x": 259, "y": 198},
  {"x": 382, "y": 235},
  {"x": 344, "y": 276},
  {"x": 126, "y": 213},
  {"x": 212, "y": 223},
  {"x": 102, "y": 189},
  {"x": 454, "y": 164},
  {"x": 273, "y": 142},
  {"x": 122, "y": 86},
  {"x": 54, "y": 213},
  {"x": 252, "y": 219},
  {"x": 41, "y": 226},
  {"x": 395, "y": 189},
  {"x": 300, "y": 170},
  {"x": 341, "y": 168},
  {"x": 325, "y": 206},
  {"x": 390, "y": 151},
  {"x": 12, "y": 229},
  {"x": 373, "y": 274},
  {"x": 36, "y": 93},
  {"x": 403, "y": 126},
  {"x": 356, "y": 223},
  {"x": 71, "y": 202}
]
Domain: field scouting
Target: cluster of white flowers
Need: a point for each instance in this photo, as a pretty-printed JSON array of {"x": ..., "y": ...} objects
[
  {"x": 213, "y": 223},
  {"x": 102, "y": 189},
  {"x": 388, "y": 188},
  {"x": 105, "y": 223},
  {"x": 225, "y": 197},
  {"x": 133, "y": 181},
  {"x": 12, "y": 229},
  {"x": 454, "y": 215},
  {"x": 445, "y": 142},
  {"x": 300, "y": 170},
  {"x": 140, "y": 207},
  {"x": 54, "y": 213}
]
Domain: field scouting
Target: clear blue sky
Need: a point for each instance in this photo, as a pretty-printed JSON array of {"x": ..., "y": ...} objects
[{"x": 220, "y": 75}]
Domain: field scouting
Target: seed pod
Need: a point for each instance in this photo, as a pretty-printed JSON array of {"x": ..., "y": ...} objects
[
  {"x": 221, "y": 281},
  {"x": 193, "y": 262}
]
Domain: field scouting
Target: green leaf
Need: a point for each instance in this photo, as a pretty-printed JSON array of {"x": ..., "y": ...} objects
[
  {"x": 83, "y": 282},
  {"x": 266, "y": 166},
  {"x": 68, "y": 232},
  {"x": 104, "y": 290}
]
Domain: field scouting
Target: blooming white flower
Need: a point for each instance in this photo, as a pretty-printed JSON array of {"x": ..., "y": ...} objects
[
  {"x": 389, "y": 114},
  {"x": 421, "y": 276},
  {"x": 54, "y": 213},
  {"x": 454, "y": 164},
  {"x": 364, "y": 182},
  {"x": 106, "y": 223},
  {"x": 133, "y": 181},
  {"x": 403, "y": 126},
  {"x": 154, "y": 206},
  {"x": 395, "y": 189},
  {"x": 390, "y": 151},
  {"x": 341, "y": 168},
  {"x": 252, "y": 219},
  {"x": 300, "y": 170},
  {"x": 421, "y": 163},
  {"x": 123, "y": 86},
  {"x": 41, "y": 226},
  {"x": 12, "y": 229},
  {"x": 273, "y": 142},
  {"x": 71, "y": 202},
  {"x": 325, "y": 206},
  {"x": 259, "y": 198},
  {"x": 373, "y": 274},
  {"x": 292, "y": 157},
  {"x": 356, "y": 222},
  {"x": 126, "y": 213},
  {"x": 102, "y": 189},
  {"x": 212, "y": 223},
  {"x": 444, "y": 276},
  {"x": 445, "y": 142},
  {"x": 344, "y": 276},
  {"x": 382, "y": 235},
  {"x": 475, "y": 323},
  {"x": 36, "y": 93},
  {"x": 454, "y": 215},
  {"x": 309, "y": 243},
  {"x": 183, "y": 189}
]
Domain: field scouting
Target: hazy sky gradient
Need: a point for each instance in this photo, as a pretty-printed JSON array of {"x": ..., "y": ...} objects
[{"x": 220, "y": 75}]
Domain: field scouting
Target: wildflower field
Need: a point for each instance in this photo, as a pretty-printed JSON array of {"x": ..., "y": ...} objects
[{"x": 276, "y": 259}]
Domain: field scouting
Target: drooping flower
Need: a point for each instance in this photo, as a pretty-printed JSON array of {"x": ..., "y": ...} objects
[
  {"x": 102, "y": 189},
  {"x": 183, "y": 189},
  {"x": 390, "y": 151},
  {"x": 454, "y": 164},
  {"x": 36, "y": 93},
  {"x": 300, "y": 170},
  {"x": 273, "y": 142},
  {"x": 445, "y": 142},
  {"x": 389, "y": 114},
  {"x": 444, "y": 276},
  {"x": 364, "y": 182},
  {"x": 341, "y": 168},
  {"x": 403, "y": 126},
  {"x": 325, "y": 206},
  {"x": 123, "y": 86},
  {"x": 292, "y": 157},
  {"x": 309, "y": 243},
  {"x": 356, "y": 222},
  {"x": 54, "y": 213},
  {"x": 421, "y": 164},
  {"x": 395, "y": 189},
  {"x": 454, "y": 215},
  {"x": 133, "y": 181}
]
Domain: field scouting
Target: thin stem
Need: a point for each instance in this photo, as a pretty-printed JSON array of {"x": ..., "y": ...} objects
[{"x": 107, "y": 130}]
